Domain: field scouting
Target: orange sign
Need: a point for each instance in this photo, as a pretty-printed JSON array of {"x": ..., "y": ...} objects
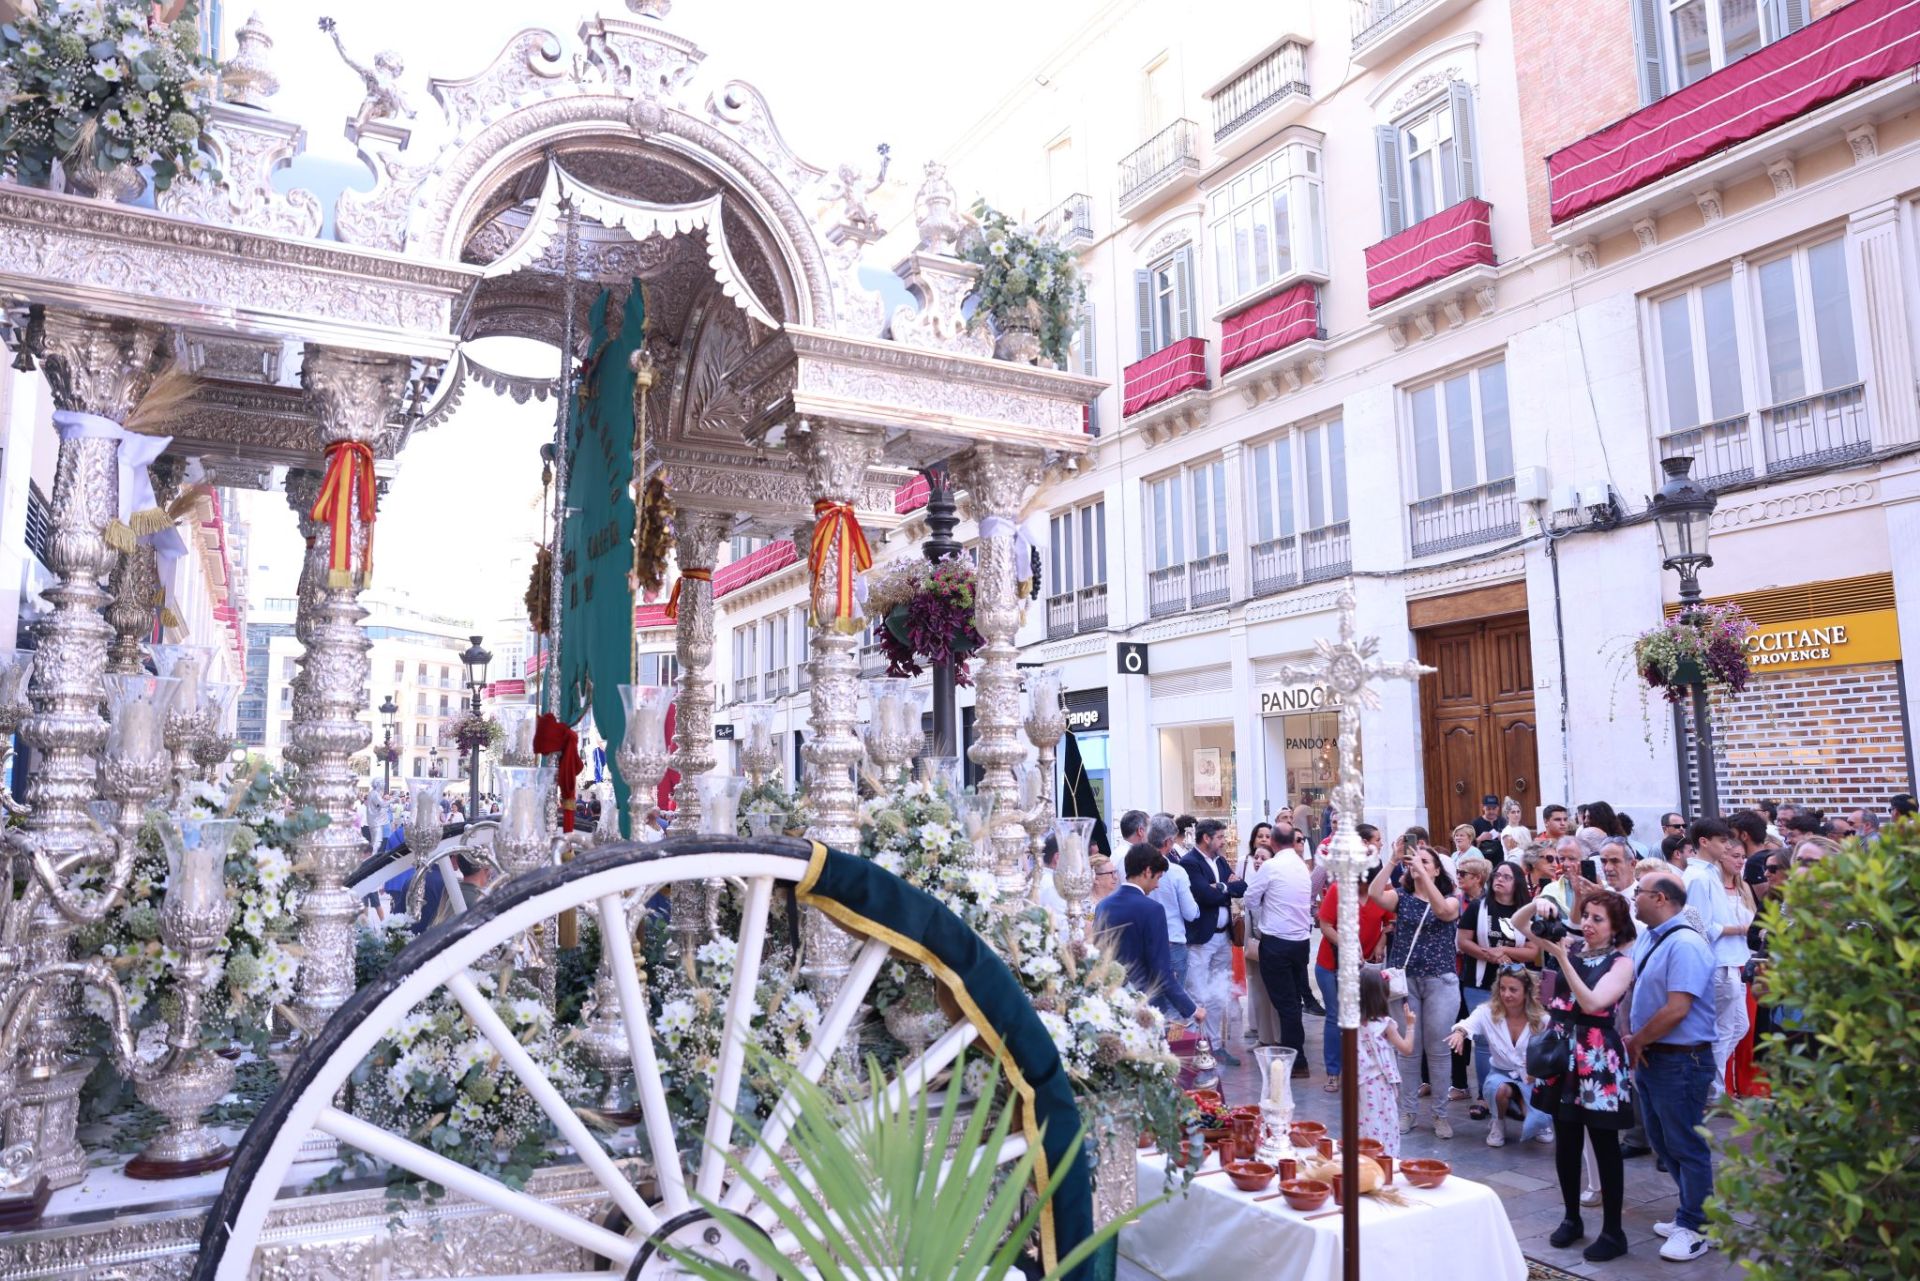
[{"x": 1833, "y": 640}]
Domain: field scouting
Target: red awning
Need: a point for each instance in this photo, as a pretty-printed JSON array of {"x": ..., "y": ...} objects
[
  {"x": 1290, "y": 316},
  {"x": 1848, "y": 49},
  {"x": 1165, "y": 374},
  {"x": 755, "y": 565},
  {"x": 1458, "y": 237}
]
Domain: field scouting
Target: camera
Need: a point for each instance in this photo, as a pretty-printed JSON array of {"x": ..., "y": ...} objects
[{"x": 1548, "y": 929}]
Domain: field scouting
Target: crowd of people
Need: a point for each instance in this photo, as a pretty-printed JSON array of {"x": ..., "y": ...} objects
[{"x": 1578, "y": 987}]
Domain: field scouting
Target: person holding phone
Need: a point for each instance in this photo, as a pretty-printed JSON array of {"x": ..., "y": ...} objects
[{"x": 1426, "y": 910}]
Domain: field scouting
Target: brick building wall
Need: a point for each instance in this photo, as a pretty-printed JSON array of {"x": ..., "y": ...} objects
[
  {"x": 1832, "y": 738},
  {"x": 1575, "y": 74}
]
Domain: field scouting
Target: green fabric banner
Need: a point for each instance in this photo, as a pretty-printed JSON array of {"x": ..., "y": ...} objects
[{"x": 596, "y": 538}]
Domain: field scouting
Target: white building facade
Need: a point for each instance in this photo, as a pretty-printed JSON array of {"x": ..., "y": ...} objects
[{"x": 1409, "y": 298}]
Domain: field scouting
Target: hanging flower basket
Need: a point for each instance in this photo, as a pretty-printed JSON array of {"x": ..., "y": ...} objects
[
  {"x": 926, "y": 615},
  {"x": 474, "y": 730},
  {"x": 104, "y": 89},
  {"x": 1707, "y": 646},
  {"x": 386, "y": 754}
]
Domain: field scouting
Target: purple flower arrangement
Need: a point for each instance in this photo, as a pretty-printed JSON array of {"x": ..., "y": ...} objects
[
  {"x": 935, "y": 623},
  {"x": 1707, "y": 645}
]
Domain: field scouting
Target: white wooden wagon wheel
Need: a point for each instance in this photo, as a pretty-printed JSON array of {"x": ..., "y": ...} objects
[{"x": 882, "y": 912}]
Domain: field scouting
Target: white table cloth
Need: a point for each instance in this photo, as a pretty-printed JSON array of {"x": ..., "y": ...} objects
[{"x": 1456, "y": 1232}]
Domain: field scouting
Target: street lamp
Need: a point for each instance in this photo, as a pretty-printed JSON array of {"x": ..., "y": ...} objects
[
  {"x": 475, "y": 660},
  {"x": 388, "y": 709},
  {"x": 1682, "y": 515}
]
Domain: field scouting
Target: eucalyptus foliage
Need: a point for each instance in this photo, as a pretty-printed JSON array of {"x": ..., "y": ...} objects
[
  {"x": 1025, "y": 273},
  {"x": 1828, "y": 1183}
]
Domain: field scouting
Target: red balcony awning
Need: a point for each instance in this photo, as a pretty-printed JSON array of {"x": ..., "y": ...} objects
[
  {"x": 1848, "y": 49},
  {"x": 1165, "y": 374},
  {"x": 1290, "y": 316},
  {"x": 1458, "y": 237},
  {"x": 911, "y": 497},
  {"x": 507, "y": 689},
  {"x": 652, "y": 616},
  {"x": 754, "y": 566}
]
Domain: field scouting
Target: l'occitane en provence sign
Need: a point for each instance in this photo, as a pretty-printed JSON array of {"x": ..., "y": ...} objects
[{"x": 1832, "y": 640}]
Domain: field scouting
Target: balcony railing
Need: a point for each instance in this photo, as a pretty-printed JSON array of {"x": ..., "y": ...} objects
[
  {"x": 1458, "y": 237},
  {"x": 1061, "y": 617},
  {"x": 1276, "y": 565},
  {"x": 777, "y": 683},
  {"x": 803, "y": 675},
  {"x": 1465, "y": 517},
  {"x": 1280, "y": 74},
  {"x": 1176, "y": 368},
  {"x": 746, "y": 689},
  {"x": 1328, "y": 552},
  {"x": 1819, "y": 429},
  {"x": 873, "y": 660},
  {"x": 1722, "y": 452},
  {"x": 1076, "y": 219},
  {"x": 1091, "y": 606},
  {"x": 1167, "y": 591},
  {"x": 1157, "y": 162},
  {"x": 1381, "y": 26},
  {"x": 1207, "y": 581}
]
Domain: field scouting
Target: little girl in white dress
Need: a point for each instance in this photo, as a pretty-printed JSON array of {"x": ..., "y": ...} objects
[{"x": 1382, "y": 1041}]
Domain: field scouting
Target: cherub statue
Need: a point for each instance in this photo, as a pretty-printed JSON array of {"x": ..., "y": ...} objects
[
  {"x": 384, "y": 101},
  {"x": 850, "y": 187}
]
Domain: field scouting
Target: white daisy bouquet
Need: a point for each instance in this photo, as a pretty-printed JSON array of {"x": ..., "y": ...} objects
[
  {"x": 437, "y": 1080},
  {"x": 254, "y": 967},
  {"x": 102, "y": 83}
]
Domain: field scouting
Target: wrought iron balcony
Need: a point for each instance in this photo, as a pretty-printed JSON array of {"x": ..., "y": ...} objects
[
  {"x": 1207, "y": 581},
  {"x": 1819, "y": 429},
  {"x": 777, "y": 683},
  {"x": 873, "y": 661},
  {"x": 746, "y": 689},
  {"x": 1382, "y": 27},
  {"x": 1281, "y": 75},
  {"x": 1156, "y": 164},
  {"x": 1327, "y": 552},
  {"x": 1060, "y": 616},
  {"x": 1076, "y": 219},
  {"x": 1091, "y": 607},
  {"x": 1478, "y": 514},
  {"x": 1276, "y": 565},
  {"x": 1167, "y": 591},
  {"x": 1722, "y": 452}
]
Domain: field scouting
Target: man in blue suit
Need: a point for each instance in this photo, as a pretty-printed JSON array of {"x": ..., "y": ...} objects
[{"x": 1138, "y": 928}]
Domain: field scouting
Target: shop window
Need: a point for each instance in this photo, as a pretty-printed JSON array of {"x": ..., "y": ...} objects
[{"x": 1197, "y": 770}]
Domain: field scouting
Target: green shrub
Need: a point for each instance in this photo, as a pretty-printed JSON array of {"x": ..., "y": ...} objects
[{"x": 1829, "y": 1184}]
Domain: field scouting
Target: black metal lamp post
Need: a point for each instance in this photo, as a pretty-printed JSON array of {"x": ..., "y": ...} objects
[
  {"x": 942, "y": 519},
  {"x": 475, "y": 659},
  {"x": 388, "y": 709},
  {"x": 1683, "y": 513}
]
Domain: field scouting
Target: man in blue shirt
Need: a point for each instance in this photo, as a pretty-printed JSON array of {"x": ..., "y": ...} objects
[
  {"x": 1670, "y": 1045},
  {"x": 1139, "y": 931}
]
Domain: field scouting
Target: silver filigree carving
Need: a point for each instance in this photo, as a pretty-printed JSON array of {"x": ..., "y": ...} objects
[{"x": 248, "y": 147}]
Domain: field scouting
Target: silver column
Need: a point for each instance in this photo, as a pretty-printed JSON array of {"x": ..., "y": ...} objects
[
  {"x": 356, "y": 391},
  {"x": 696, "y": 546},
  {"x": 996, "y": 478},
  {"x": 102, "y": 367}
]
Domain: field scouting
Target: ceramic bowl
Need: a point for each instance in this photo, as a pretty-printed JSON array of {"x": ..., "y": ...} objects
[
  {"x": 1425, "y": 1172},
  {"x": 1250, "y": 1176},
  {"x": 1307, "y": 1134},
  {"x": 1306, "y": 1195}
]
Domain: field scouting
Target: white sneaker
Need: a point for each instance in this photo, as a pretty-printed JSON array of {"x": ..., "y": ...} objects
[
  {"x": 1406, "y": 1123},
  {"x": 1590, "y": 1196},
  {"x": 1442, "y": 1128},
  {"x": 1545, "y": 1137},
  {"x": 1684, "y": 1245},
  {"x": 1497, "y": 1133},
  {"x": 1664, "y": 1229}
]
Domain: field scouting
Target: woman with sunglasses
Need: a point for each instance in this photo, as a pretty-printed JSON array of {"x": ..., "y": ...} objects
[
  {"x": 1488, "y": 940},
  {"x": 1501, "y": 1030}
]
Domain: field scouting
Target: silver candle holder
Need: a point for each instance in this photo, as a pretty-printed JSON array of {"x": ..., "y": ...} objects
[
  {"x": 892, "y": 730},
  {"x": 214, "y": 747},
  {"x": 759, "y": 758},
  {"x": 187, "y": 720},
  {"x": 194, "y": 918},
  {"x": 1045, "y": 724},
  {"x": 1073, "y": 876},
  {"x": 642, "y": 758},
  {"x": 421, "y": 828}
]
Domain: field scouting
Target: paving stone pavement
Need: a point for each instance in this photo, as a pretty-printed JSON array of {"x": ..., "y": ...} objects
[{"x": 1522, "y": 1173}]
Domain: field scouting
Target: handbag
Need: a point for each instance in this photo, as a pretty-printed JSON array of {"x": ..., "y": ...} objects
[
  {"x": 1237, "y": 926},
  {"x": 1396, "y": 976}
]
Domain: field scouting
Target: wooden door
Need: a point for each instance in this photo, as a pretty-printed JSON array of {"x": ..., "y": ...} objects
[{"x": 1477, "y": 718}]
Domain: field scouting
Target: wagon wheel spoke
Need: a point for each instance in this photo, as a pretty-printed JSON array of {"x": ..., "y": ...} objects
[
  {"x": 738, "y": 1028},
  {"x": 488, "y": 1022},
  {"x": 646, "y": 1068},
  {"x": 410, "y": 1156}
]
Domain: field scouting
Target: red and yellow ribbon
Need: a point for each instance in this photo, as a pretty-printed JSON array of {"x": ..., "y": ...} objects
[
  {"x": 697, "y": 575},
  {"x": 837, "y": 534},
  {"x": 349, "y": 477}
]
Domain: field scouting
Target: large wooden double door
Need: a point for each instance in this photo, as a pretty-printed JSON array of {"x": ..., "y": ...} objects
[{"x": 1477, "y": 718}]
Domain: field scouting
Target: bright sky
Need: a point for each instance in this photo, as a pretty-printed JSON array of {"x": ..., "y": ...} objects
[{"x": 840, "y": 78}]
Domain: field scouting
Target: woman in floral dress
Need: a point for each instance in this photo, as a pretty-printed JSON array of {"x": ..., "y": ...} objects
[{"x": 1595, "y": 1095}]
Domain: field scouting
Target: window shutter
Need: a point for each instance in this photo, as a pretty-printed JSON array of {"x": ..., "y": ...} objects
[
  {"x": 1784, "y": 17},
  {"x": 1143, "y": 303},
  {"x": 1387, "y": 145},
  {"x": 1646, "y": 50},
  {"x": 1460, "y": 101},
  {"x": 1088, "y": 362},
  {"x": 1184, "y": 303}
]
